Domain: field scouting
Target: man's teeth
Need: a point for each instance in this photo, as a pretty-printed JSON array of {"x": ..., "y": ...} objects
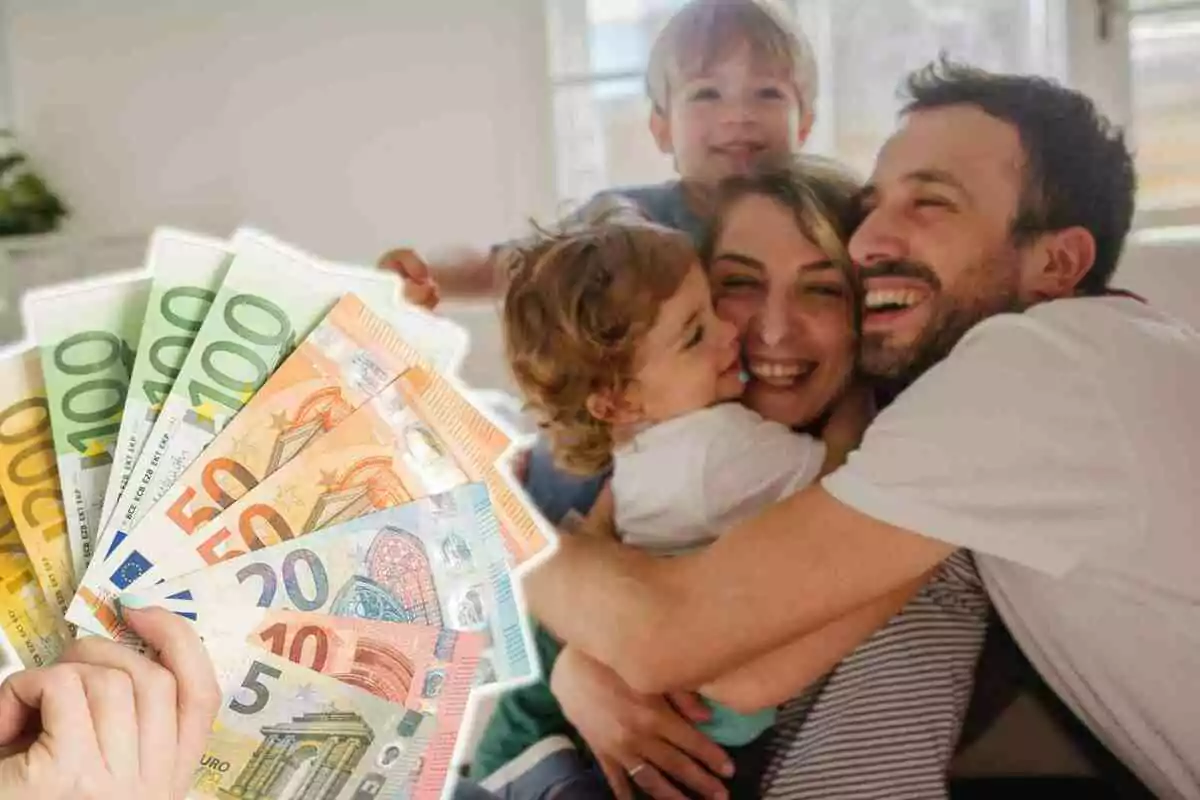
[{"x": 885, "y": 298}]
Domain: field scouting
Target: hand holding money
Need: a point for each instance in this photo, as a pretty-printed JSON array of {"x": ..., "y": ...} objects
[{"x": 105, "y": 722}]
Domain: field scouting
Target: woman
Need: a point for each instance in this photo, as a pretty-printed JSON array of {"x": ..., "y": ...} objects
[{"x": 779, "y": 273}]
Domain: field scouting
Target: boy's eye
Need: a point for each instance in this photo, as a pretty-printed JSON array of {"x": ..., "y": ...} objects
[
  {"x": 771, "y": 93},
  {"x": 705, "y": 93},
  {"x": 696, "y": 338}
]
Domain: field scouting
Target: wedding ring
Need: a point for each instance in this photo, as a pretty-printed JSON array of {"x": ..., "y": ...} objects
[{"x": 634, "y": 770}]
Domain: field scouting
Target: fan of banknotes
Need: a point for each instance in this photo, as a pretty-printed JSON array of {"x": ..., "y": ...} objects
[{"x": 277, "y": 449}]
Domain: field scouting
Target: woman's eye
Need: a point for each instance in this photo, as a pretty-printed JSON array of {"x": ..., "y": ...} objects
[{"x": 738, "y": 282}]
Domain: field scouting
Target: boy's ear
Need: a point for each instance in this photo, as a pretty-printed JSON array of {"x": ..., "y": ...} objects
[
  {"x": 1060, "y": 261},
  {"x": 660, "y": 129},
  {"x": 807, "y": 118},
  {"x": 615, "y": 408}
]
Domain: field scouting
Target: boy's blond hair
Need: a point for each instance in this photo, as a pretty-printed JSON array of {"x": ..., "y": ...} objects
[
  {"x": 704, "y": 31},
  {"x": 578, "y": 305}
]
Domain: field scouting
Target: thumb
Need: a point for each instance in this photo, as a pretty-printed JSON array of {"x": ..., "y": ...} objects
[
  {"x": 406, "y": 263},
  {"x": 691, "y": 706}
]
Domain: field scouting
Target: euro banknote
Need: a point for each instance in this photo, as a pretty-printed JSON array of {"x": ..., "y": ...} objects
[{"x": 31, "y": 633}]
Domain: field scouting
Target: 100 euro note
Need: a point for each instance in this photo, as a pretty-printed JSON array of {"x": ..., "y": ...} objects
[
  {"x": 350, "y": 356},
  {"x": 438, "y": 561},
  {"x": 286, "y": 731},
  {"x": 271, "y": 297},
  {"x": 29, "y": 475},
  {"x": 185, "y": 272},
  {"x": 427, "y": 669},
  {"x": 87, "y": 338},
  {"x": 31, "y": 632}
]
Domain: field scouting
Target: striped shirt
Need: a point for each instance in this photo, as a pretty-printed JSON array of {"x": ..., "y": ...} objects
[{"x": 884, "y": 723}]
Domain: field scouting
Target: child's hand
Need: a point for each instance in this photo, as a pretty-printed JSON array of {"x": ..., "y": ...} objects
[{"x": 420, "y": 289}]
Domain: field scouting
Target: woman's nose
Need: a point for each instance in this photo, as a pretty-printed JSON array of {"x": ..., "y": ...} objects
[{"x": 773, "y": 323}]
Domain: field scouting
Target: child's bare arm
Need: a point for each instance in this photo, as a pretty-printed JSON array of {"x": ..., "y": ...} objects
[
  {"x": 460, "y": 274},
  {"x": 783, "y": 673}
]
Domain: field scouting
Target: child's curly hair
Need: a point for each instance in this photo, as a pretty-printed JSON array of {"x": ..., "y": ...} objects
[{"x": 577, "y": 306}]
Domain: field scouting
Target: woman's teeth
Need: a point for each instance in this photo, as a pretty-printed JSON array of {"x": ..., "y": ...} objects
[{"x": 777, "y": 374}]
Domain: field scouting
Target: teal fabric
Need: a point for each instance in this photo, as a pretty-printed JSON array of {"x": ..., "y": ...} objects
[{"x": 734, "y": 729}]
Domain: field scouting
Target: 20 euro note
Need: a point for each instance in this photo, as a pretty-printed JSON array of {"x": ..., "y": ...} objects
[
  {"x": 87, "y": 337},
  {"x": 438, "y": 561},
  {"x": 31, "y": 631},
  {"x": 427, "y": 669},
  {"x": 186, "y": 271},
  {"x": 29, "y": 475},
  {"x": 347, "y": 358},
  {"x": 271, "y": 297},
  {"x": 285, "y": 731}
]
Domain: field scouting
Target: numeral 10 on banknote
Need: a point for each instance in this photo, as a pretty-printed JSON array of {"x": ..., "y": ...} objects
[
  {"x": 93, "y": 353},
  {"x": 222, "y": 372}
]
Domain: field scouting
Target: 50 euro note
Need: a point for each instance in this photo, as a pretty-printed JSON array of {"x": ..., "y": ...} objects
[
  {"x": 29, "y": 475},
  {"x": 31, "y": 632},
  {"x": 286, "y": 731},
  {"x": 424, "y": 668},
  {"x": 350, "y": 356},
  {"x": 385, "y": 454},
  {"x": 87, "y": 337},
  {"x": 271, "y": 297},
  {"x": 439, "y": 561},
  {"x": 186, "y": 271}
]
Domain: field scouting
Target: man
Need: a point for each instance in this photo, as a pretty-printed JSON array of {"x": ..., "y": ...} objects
[{"x": 1043, "y": 422}]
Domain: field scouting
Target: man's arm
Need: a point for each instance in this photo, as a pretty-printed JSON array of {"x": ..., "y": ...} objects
[
  {"x": 785, "y": 672},
  {"x": 668, "y": 624}
]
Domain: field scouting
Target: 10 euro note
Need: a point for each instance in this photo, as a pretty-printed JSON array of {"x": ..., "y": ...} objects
[
  {"x": 350, "y": 356},
  {"x": 29, "y": 475},
  {"x": 271, "y": 297},
  {"x": 87, "y": 337},
  {"x": 186, "y": 271},
  {"x": 427, "y": 669},
  {"x": 439, "y": 561},
  {"x": 31, "y": 631},
  {"x": 286, "y": 731}
]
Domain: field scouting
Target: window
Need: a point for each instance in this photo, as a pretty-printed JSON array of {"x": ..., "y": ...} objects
[{"x": 599, "y": 49}]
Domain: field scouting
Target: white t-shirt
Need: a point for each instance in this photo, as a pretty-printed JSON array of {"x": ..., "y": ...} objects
[
  {"x": 682, "y": 482},
  {"x": 1062, "y": 445}
]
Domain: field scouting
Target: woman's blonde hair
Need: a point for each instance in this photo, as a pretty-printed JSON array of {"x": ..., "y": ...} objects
[{"x": 577, "y": 306}]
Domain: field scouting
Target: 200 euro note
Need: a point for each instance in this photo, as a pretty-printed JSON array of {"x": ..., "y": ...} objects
[
  {"x": 425, "y": 668},
  {"x": 271, "y": 297},
  {"x": 31, "y": 631},
  {"x": 349, "y": 357},
  {"x": 185, "y": 272},
  {"x": 438, "y": 561},
  {"x": 286, "y": 731},
  {"x": 29, "y": 475},
  {"x": 87, "y": 337}
]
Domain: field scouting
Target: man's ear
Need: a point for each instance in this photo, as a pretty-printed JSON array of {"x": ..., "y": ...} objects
[
  {"x": 660, "y": 129},
  {"x": 615, "y": 407},
  {"x": 1062, "y": 259}
]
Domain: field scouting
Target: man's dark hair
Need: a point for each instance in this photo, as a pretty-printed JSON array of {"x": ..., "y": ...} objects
[{"x": 1078, "y": 170}]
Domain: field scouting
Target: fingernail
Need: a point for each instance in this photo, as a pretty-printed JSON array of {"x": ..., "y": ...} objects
[
  {"x": 727, "y": 769},
  {"x": 133, "y": 602}
]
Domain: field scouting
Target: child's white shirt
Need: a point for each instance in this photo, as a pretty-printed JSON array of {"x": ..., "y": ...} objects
[{"x": 679, "y": 484}]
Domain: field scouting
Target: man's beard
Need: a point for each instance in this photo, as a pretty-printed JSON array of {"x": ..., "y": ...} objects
[{"x": 987, "y": 289}]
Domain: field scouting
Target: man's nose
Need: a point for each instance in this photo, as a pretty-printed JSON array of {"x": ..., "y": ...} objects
[{"x": 880, "y": 237}]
